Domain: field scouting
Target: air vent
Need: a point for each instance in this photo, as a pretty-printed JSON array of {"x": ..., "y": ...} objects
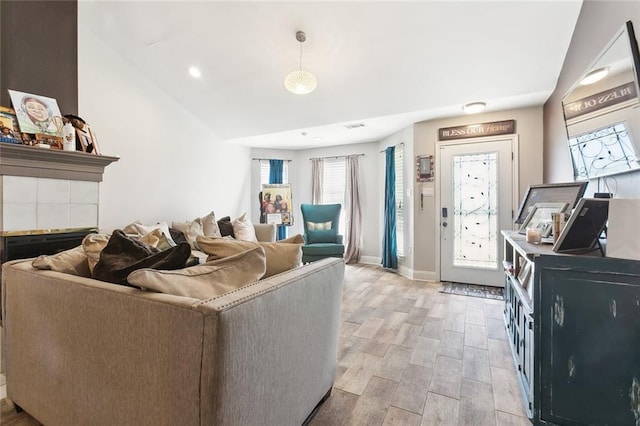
[{"x": 354, "y": 126}]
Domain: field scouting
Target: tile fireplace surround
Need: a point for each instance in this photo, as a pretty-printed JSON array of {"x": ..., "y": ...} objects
[{"x": 48, "y": 191}]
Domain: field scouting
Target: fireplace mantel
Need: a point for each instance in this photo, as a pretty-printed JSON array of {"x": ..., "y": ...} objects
[{"x": 19, "y": 160}]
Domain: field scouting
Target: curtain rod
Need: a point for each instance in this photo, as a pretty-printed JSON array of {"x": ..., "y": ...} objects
[
  {"x": 267, "y": 159},
  {"x": 336, "y": 156},
  {"x": 399, "y": 144}
]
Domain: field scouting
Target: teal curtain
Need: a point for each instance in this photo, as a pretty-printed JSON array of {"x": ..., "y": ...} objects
[
  {"x": 276, "y": 169},
  {"x": 389, "y": 245}
]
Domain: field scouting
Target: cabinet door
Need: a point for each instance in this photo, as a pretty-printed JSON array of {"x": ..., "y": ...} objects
[{"x": 588, "y": 342}]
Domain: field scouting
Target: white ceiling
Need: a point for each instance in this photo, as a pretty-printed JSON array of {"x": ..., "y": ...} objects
[{"x": 384, "y": 64}]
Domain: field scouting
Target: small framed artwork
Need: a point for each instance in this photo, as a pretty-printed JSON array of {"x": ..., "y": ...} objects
[
  {"x": 37, "y": 114},
  {"x": 275, "y": 200},
  {"x": 539, "y": 217}
]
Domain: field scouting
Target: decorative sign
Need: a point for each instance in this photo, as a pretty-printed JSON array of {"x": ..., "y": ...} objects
[
  {"x": 600, "y": 100},
  {"x": 477, "y": 130}
]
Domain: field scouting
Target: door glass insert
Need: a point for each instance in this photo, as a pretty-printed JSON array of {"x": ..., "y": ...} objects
[{"x": 475, "y": 220}]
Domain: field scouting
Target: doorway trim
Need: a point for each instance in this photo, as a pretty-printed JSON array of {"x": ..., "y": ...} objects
[{"x": 514, "y": 184}]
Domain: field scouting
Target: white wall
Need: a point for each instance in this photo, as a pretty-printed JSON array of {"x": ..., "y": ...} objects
[
  {"x": 171, "y": 167},
  {"x": 300, "y": 179}
]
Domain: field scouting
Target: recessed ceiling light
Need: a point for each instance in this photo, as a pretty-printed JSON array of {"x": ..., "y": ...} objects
[
  {"x": 595, "y": 75},
  {"x": 195, "y": 72},
  {"x": 317, "y": 138},
  {"x": 474, "y": 107}
]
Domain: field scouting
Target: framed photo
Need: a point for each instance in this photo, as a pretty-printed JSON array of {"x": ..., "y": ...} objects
[
  {"x": 524, "y": 274},
  {"x": 424, "y": 168},
  {"x": 275, "y": 199},
  {"x": 9, "y": 129},
  {"x": 37, "y": 114},
  {"x": 53, "y": 142},
  {"x": 287, "y": 219},
  {"x": 539, "y": 217},
  {"x": 570, "y": 192},
  {"x": 274, "y": 218},
  {"x": 582, "y": 231}
]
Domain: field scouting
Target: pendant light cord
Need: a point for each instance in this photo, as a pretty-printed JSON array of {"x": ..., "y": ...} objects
[{"x": 300, "y": 56}]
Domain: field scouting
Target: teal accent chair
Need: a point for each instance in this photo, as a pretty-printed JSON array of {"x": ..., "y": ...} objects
[{"x": 321, "y": 236}]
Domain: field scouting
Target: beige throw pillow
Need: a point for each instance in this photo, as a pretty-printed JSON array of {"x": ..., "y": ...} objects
[
  {"x": 72, "y": 261},
  {"x": 210, "y": 226},
  {"x": 191, "y": 231},
  {"x": 280, "y": 256},
  {"x": 92, "y": 245},
  {"x": 145, "y": 229},
  {"x": 205, "y": 281},
  {"x": 243, "y": 229}
]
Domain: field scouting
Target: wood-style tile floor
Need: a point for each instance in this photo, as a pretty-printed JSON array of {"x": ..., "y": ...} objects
[{"x": 409, "y": 355}]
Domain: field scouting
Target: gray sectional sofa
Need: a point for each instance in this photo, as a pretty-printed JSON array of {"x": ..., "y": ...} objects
[{"x": 84, "y": 352}]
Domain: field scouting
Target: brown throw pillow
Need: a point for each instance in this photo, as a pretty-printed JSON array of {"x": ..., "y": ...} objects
[
  {"x": 205, "y": 281},
  {"x": 280, "y": 257},
  {"x": 123, "y": 255},
  {"x": 225, "y": 227}
]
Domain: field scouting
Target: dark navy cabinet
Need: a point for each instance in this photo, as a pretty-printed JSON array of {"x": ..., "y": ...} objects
[{"x": 583, "y": 322}]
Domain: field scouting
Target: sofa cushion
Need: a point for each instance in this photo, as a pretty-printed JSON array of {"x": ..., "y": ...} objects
[
  {"x": 225, "y": 226},
  {"x": 124, "y": 254},
  {"x": 243, "y": 229},
  {"x": 280, "y": 257},
  {"x": 323, "y": 249},
  {"x": 296, "y": 239},
  {"x": 321, "y": 236},
  {"x": 205, "y": 281},
  {"x": 73, "y": 261}
]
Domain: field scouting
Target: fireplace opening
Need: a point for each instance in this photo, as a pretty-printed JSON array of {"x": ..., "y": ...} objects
[{"x": 28, "y": 246}]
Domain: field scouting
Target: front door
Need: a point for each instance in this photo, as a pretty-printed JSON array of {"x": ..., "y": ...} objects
[{"x": 476, "y": 187}]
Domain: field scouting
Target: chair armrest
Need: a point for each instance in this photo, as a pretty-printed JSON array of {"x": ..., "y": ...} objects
[
  {"x": 265, "y": 232},
  {"x": 338, "y": 239}
]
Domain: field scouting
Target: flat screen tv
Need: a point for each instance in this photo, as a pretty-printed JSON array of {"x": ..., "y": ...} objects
[
  {"x": 568, "y": 193},
  {"x": 582, "y": 231}
]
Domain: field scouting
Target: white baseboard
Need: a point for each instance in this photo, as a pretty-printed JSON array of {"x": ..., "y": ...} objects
[
  {"x": 417, "y": 275},
  {"x": 370, "y": 260},
  {"x": 425, "y": 276}
]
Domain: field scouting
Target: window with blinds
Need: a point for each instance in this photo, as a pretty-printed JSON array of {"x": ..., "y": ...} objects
[
  {"x": 399, "y": 164},
  {"x": 334, "y": 183},
  {"x": 265, "y": 170}
]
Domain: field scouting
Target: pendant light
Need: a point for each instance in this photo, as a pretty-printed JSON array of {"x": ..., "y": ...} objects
[{"x": 299, "y": 81}]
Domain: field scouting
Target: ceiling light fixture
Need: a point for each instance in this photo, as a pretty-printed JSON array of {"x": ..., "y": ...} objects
[
  {"x": 595, "y": 75},
  {"x": 474, "y": 107},
  {"x": 299, "y": 81},
  {"x": 195, "y": 72}
]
